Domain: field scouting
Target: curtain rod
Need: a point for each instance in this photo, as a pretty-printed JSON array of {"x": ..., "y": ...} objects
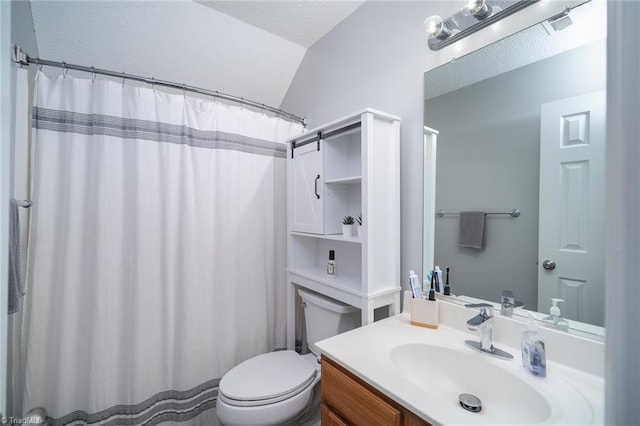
[{"x": 20, "y": 57}]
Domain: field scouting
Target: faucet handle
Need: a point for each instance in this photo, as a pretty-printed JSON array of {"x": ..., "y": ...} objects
[
  {"x": 508, "y": 297},
  {"x": 478, "y": 305},
  {"x": 486, "y": 309}
]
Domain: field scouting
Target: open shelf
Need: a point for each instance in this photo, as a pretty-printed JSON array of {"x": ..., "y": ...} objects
[
  {"x": 331, "y": 237},
  {"x": 344, "y": 282},
  {"x": 341, "y": 199},
  {"x": 343, "y": 157},
  {"x": 345, "y": 180}
]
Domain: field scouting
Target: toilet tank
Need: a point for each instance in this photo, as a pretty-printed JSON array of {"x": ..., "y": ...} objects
[{"x": 325, "y": 317}]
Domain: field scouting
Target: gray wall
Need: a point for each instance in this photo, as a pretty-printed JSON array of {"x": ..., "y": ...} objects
[
  {"x": 622, "y": 377},
  {"x": 375, "y": 58},
  {"x": 488, "y": 160},
  {"x": 22, "y": 34}
]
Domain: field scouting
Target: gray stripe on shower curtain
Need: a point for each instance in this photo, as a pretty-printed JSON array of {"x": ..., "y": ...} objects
[
  {"x": 127, "y": 128},
  {"x": 173, "y": 406}
]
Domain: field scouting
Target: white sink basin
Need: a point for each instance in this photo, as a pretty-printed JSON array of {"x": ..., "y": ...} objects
[{"x": 444, "y": 373}]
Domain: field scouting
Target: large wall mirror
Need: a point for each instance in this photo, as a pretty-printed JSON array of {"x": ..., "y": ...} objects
[{"x": 521, "y": 125}]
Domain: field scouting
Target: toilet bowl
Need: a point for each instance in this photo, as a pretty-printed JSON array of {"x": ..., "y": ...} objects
[{"x": 277, "y": 388}]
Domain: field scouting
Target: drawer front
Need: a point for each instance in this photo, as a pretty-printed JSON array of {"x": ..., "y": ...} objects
[
  {"x": 353, "y": 402},
  {"x": 329, "y": 418},
  {"x": 411, "y": 419}
]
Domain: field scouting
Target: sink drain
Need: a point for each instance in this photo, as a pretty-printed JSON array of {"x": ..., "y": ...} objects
[{"x": 470, "y": 402}]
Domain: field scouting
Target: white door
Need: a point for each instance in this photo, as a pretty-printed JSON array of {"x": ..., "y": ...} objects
[
  {"x": 307, "y": 184},
  {"x": 572, "y": 212}
]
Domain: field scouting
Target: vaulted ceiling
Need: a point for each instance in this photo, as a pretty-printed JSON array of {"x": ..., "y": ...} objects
[
  {"x": 302, "y": 22},
  {"x": 250, "y": 49}
]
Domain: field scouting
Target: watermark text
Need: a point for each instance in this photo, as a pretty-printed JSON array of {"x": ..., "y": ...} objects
[{"x": 21, "y": 421}]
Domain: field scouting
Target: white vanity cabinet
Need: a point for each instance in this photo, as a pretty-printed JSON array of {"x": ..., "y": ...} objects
[{"x": 348, "y": 167}]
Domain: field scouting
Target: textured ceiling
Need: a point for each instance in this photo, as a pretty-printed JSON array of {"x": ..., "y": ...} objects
[
  {"x": 528, "y": 46},
  {"x": 302, "y": 22}
]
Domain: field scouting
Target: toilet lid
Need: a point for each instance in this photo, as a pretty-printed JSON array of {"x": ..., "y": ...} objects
[{"x": 268, "y": 376}]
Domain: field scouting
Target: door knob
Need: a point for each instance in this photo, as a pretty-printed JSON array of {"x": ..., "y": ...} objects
[{"x": 549, "y": 265}]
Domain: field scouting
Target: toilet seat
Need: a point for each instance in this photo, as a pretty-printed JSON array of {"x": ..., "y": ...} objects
[{"x": 267, "y": 379}]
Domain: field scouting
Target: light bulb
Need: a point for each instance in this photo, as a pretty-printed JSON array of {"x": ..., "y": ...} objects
[
  {"x": 434, "y": 25},
  {"x": 478, "y": 9}
]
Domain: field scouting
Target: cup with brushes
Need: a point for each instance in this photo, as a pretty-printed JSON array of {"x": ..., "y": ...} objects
[{"x": 424, "y": 310}]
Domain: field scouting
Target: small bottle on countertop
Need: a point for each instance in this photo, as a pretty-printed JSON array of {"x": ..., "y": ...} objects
[
  {"x": 331, "y": 264},
  {"x": 533, "y": 351}
]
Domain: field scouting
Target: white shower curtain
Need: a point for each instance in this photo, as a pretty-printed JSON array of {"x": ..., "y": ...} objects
[{"x": 156, "y": 257}]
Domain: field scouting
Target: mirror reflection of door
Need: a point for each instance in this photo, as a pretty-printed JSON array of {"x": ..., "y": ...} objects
[{"x": 572, "y": 208}]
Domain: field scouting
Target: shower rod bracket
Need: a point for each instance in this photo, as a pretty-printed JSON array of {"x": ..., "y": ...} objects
[{"x": 19, "y": 57}]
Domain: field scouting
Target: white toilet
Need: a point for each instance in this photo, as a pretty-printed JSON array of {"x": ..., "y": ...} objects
[{"x": 277, "y": 388}]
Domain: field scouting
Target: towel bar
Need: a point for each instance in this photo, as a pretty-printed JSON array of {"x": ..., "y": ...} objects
[{"x": 512, "y": 213}]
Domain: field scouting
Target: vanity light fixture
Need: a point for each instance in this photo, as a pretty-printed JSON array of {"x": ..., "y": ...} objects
[
  {"x": 434, "y": 25},
  {"x": 479, "y": 9},
  {"x": 475, "y": 15}
]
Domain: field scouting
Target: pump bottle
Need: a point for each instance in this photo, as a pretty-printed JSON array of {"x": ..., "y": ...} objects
[{"x": 533, "y": 351}]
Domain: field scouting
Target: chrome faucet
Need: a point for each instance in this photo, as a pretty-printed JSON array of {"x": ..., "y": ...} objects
[
  {"x": 482, "y": 322},
  {"x": 508, "y": 302}
]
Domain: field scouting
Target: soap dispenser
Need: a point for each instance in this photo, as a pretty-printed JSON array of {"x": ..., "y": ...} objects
[
  {"x": 555, "y": 313},
  {"x": 533, "y": 352}
]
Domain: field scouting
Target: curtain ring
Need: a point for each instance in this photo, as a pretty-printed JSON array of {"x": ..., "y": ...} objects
[
  {"x": 93, "y": 74},
  {"x": 123, "y": 77},
  {"x": 64, "y": 69}
]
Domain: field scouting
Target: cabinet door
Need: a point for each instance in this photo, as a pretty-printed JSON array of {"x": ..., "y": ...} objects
[{"x": 307, "y": 184}]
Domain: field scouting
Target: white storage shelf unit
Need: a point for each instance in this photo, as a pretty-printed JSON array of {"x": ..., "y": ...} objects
[{"x": 347, "y": 167}]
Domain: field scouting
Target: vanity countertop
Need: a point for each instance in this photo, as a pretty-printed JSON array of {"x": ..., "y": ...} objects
[{"x": 367, "y": 352}]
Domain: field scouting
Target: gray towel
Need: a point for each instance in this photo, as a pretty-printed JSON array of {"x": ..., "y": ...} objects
[
  {"x": 16, "y": 278},
  {"x": 472, "y": 229}
]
